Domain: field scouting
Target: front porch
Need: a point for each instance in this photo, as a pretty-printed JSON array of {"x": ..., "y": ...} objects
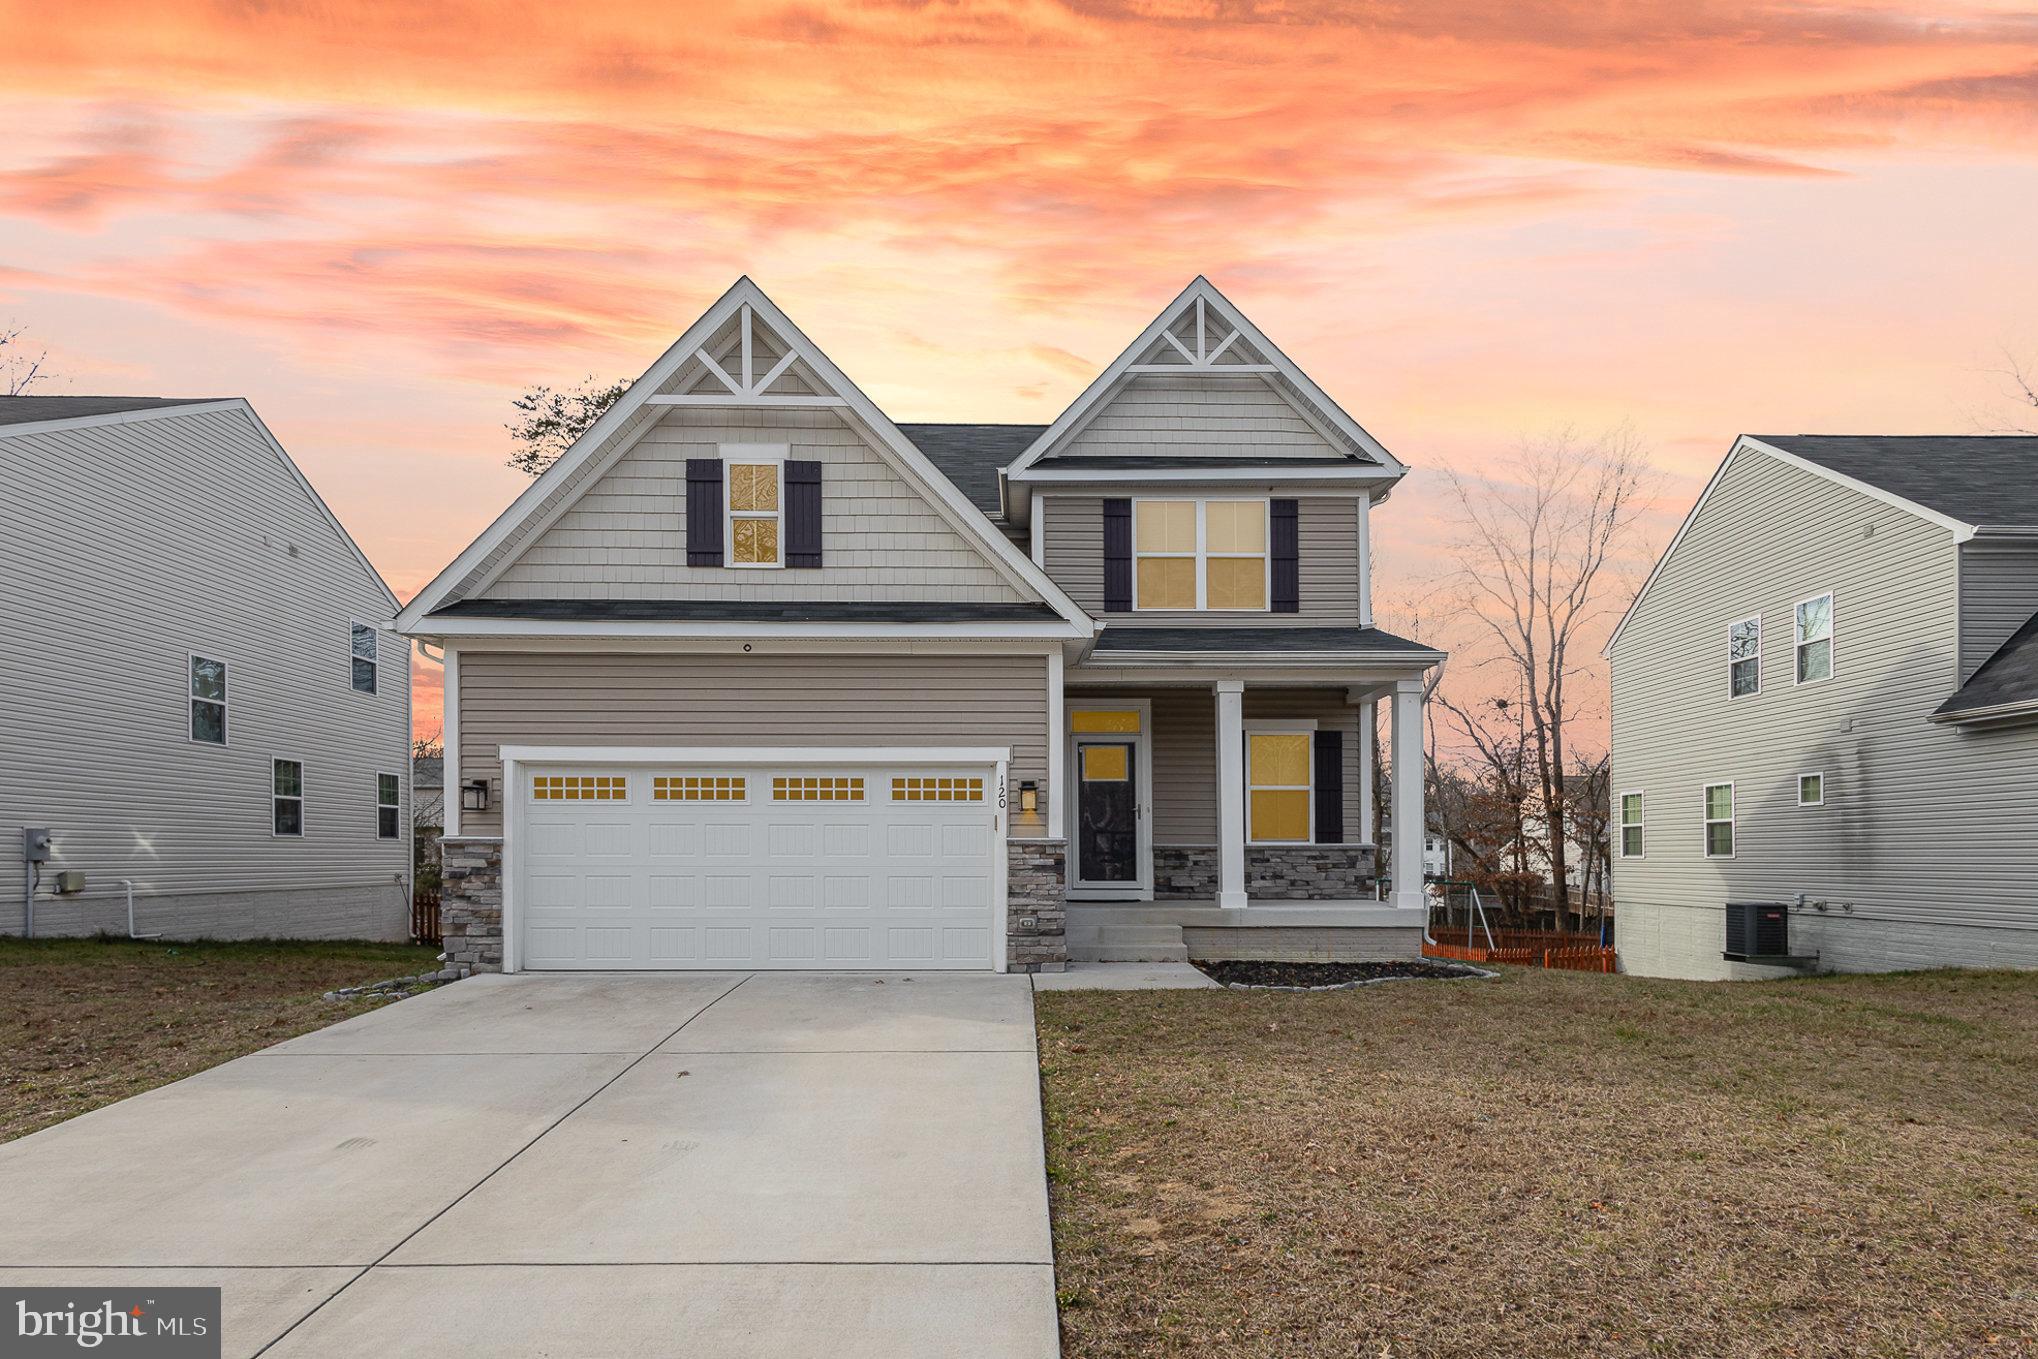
[{"x": 1233, "y": 814}]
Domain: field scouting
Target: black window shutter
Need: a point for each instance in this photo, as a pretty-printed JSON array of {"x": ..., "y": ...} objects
[
  {"x": 1330, "y": 786},
  {"x": 803, "y": 514},
  {"x": 703, "y": 511},
  {"x": 1117, "y": 556},
  {"x": 1286, "y": 546}
]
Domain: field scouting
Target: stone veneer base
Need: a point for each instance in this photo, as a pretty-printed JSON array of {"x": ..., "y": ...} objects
[
  {"x": 470, "y": 902},
  {"x": 1036, "y": 906},
  {"x": 1272, "y": 872}
]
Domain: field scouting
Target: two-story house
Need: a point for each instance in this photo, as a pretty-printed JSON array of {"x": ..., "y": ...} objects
[
  {"x": 754, "y": 677},
  {"x": 1825, "y": 699},
  {"x": 209, "y": 725}
]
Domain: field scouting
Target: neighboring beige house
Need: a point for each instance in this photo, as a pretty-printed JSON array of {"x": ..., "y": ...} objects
[
  {"x": 1826, "y": 696},
  {"x": 207, "y": 713},
  {"x": 755, "y": 677}
]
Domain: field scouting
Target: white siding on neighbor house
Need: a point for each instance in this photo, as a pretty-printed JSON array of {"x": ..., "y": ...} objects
[
  {"x": 1161, "y": 415},
  {"x": 1072, "y": 541},
  {"x": 1998, "y": 595},
  {"x": 1929, "y": 834},
  {"x": 615, "y": 699},
  {"x": 625, "y": 538},
  {"x": 124, "y": 548}
]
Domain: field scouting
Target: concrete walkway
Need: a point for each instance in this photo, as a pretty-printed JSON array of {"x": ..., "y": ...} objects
[{"x": 726, "y": 1164}]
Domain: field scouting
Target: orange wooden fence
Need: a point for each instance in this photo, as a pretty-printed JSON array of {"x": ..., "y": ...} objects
[{"x": 1524, "y": 948}]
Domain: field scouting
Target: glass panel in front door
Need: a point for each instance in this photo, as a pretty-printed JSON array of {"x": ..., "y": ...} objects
[{"x": 1107, "y": 813}]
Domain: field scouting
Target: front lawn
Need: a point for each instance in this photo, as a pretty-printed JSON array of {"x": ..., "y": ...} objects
[
  {"x": 85, "y": 1022},
  {"x": 1551, "y": 1164}
]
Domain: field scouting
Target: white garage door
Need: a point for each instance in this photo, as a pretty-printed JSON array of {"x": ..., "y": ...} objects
[{"x": 740, "y": 867}]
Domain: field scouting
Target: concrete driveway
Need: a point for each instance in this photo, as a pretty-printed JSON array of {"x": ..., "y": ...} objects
[{"x": 595, "y": 1165}]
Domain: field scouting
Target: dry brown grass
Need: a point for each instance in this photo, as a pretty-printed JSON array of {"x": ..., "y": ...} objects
[
  {"x": 1551, "y": 1164},
  {"x": 85, "y": 1022}
]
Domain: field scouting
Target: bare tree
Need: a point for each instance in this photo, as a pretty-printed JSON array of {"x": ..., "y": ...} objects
[
  {"x": 2019, "y": 380},
  {"x": 1534, "y": 543},
  {"x": 19, "y": 368},
  {"x": 549, "y": 421}
]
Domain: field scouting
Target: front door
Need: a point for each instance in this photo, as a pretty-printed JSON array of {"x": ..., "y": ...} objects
[{"x": 1107, "y": 813}]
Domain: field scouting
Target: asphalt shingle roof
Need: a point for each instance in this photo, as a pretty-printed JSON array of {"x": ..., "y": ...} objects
[
  {"x": 971, "y": 456},
  {"x": 1251, "y": 641},
  {"x": 1987, "y": 480},
  {"x": 2009, "y": 677},
  {"x": 25, "y": 410},
  {"x": 748, "y": 611}
]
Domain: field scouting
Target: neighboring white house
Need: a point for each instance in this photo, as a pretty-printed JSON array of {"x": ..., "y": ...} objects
[
  {"x": 755, "y": 677},
  {"x": 205, "y": 707},
  {"x": 1826, "y": 696}
]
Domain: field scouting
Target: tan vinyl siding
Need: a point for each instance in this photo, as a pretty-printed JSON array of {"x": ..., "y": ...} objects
[
  {"x": 625, "y": 538},
  {"x": 1998, "y": 595},
  {"x": 1922, "y": 825},
  {"x": 1072, "y": 541},
  {"x": 1193, "y": 417},
  {"x": 123, "y": 549},
  {"x": 567, "y": 699},
  {"x": 1184, "y": 745}
]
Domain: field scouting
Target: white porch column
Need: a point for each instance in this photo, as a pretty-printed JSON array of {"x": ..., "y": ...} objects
[
  {"x": 1369, "y": 727},
  {"x": 1409, "y": 822},
  {"x": 1231, "y": 793}
]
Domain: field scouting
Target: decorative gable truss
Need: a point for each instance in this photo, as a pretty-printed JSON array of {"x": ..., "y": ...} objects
[
  {"x": 743, "y": 358},
  {"x": 1202, "y": 381}
]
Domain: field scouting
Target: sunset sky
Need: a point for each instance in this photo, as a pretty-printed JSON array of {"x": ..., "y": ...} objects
[{"x": 1470, "y": 220}]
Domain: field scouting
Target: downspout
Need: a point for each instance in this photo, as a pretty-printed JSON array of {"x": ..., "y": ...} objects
[
  {"x": 128, "y": 883},
  {"x": 31, "y": 874}
]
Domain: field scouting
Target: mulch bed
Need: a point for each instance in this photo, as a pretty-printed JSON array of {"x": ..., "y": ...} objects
[{"x": 1316, "y": 976}]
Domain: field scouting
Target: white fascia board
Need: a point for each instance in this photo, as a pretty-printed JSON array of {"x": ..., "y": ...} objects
[
  {"x": 547, "y": 627},
  {"x": 1333, "y": 471},
  {"x": 1345, "y": 675},
  {"x": 122, "y": 417},
  {"x": 528, "y": 504},
  {"x": 728, "y": 755},
  {"x": 1746, "y": 444},
  {"x": 1982, "y": 717},
  {"x": 1133, "y": 659},
  {"x": 1201, "y": 289}
]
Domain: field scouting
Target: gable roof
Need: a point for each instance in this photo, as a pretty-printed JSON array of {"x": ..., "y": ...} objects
[
  {"x": 1981, "y": 480},
  {"x": 1930, "y": 476},
  {"x": 84, "y": 412},
  {"x": 30, "y": 410},
  {"x": 823, "y": 385},
  {"x": 971, "y": 456},
  {"x": 2003, "y": 686},
  {"x": 1241, "y": 347}
]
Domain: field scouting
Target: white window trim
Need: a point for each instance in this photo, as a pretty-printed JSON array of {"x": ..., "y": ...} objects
[
  {"x": 276, "y": 797},
  {"x": 226, "y": 693},
  {"x": 380, "y": 775},
  {"x": 752, "y": 455},
  {"x": 1832, "y": 638},
  {"x": 1293, "y": 727},
  {"x": 1818, "y": 774},
  {"x": 375, "y": 635},
  {"x": 1708, "y": 820},
  {"x": 1756, "y": 619},
  {"x": 1202, "y": 555},
  {"x": 1620, "y": 826}
]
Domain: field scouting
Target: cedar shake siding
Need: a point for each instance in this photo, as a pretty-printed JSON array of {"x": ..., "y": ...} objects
[
  {"x": 626, "y": 537},
  {"x": 610, "y": 699}
]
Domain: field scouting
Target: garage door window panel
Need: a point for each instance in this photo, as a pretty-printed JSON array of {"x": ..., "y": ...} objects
[
  {"x": 579, "y": 788},
  {"x": 700, "y": 788},
  {"x": 816, "y": 788}
]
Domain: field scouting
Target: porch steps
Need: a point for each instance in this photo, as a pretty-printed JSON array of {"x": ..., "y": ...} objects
[{"x": 1103, "y": 934}]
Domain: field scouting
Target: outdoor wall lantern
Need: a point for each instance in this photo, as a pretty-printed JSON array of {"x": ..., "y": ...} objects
[
  {"x": 1029, "y": 797},
  {"x": 474, "y": 796}
]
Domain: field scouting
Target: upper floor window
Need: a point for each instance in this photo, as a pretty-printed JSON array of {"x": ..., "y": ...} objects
[
  {"x": 208, "y": 701},
  {"x": 754, "y": 499},
  {"x": 1199, "y": 554},
  {"x": 1815, "y": 639},
  {"x": 362, "y": 646},
  {"x": 1744, "y": 657},
  {"x": 1631, "y": 825}
]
